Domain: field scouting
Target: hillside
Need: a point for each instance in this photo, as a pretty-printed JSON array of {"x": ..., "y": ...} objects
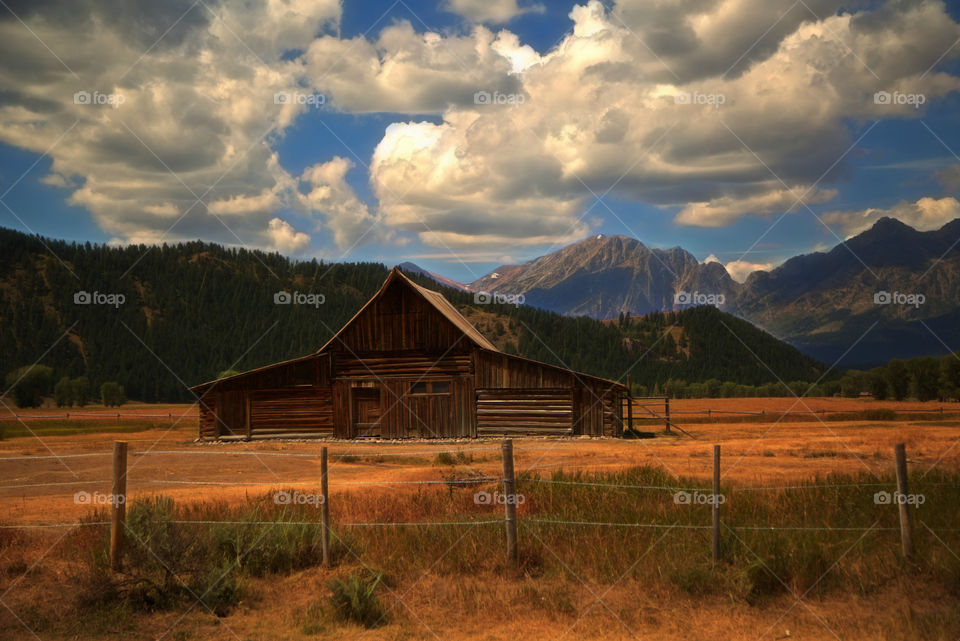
[{"x": 195, "y": 309}]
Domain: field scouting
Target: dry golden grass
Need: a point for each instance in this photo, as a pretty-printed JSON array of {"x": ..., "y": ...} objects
[{"x": 491, "y": 603}]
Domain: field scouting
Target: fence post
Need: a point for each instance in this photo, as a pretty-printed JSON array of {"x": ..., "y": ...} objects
[
  {"x": 906, "y": 527},
  {"x": 119, "y": 502},
  {"x": 666, "y": 412},
  {"x": 510, "y": 502},
  {"x": 629, "y": 404},
  {"x": 324, "y": 508},
  {"x": 716, "y": 503}
]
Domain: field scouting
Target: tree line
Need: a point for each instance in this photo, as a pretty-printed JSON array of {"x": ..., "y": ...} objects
[{"x": 156, "y": 320}]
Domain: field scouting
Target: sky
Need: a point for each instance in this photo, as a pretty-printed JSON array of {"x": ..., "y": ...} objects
[{"x": 465, "y": 134}]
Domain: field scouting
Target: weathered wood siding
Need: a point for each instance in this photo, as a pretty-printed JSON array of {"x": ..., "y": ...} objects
[
  {"x": 208, "y": 417},
  {"x": 525, "y": 411},
  {"x": 400, "y": 320},
  {"x": 308, "y": 411},
  {"x": 412, "y": 363},
  {"x": 597, "y": 410},
  {"x": 504, "y": 371}
]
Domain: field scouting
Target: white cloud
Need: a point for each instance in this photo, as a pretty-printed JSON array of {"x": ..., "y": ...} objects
[
  {"x": 600, "y": 104},
  {"x": 726, "y": 209},
  {"x": 285, "y": 238},
  {"x": 409, "y": 72},
  {"x": 335, "y": 201},
  {"x": 198, "y": 118},
  {"x": 491, "y": 11},
  {"x": 190, "y": 118},
  {"x": 925, "y": 214},
  {"x": 740, "y": 269}
]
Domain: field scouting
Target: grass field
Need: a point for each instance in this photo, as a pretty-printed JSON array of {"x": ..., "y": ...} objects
[{"x": 811, "y": 555}]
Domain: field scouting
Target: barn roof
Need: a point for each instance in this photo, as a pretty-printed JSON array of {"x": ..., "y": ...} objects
[
  {"x": 436, "y": 300},
  {"x": 445, "y": 308}
]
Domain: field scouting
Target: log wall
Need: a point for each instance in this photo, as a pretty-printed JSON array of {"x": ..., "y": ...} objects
[{"x": 524, "y": 411}]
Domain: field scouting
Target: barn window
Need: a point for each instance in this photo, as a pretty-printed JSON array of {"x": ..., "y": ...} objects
[
  {"x": 419, "y": 388},
  {"x": 435, "y": 387}
]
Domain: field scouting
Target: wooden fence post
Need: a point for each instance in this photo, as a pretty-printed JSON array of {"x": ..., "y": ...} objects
[
  {"x": 666, "y": 412},
  {"x": 324, "y": 508},
  {"x": 629, "y": 404},
  {"x": 510, "y": 502},
  {"x": 119, "y": 503},
  {"x": 906, "y": 527},
  {"x": 716, "y": 503}
]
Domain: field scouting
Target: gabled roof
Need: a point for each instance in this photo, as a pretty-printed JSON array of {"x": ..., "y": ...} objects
[
  {"x": 436, "y": 300},
  {"x": 442, "y": 305}
]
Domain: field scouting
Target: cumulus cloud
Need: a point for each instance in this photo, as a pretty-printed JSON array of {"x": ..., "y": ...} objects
[
  {"x": 285, "y": 238},
  {"x": 925, "y": 214},
  {"x": 491, "y": 11},
  {"x": 409, "y": 72},
  {"x": 346, "y": 215},
  {"x": 709, "y": 109},
  {"x": 726, "y": 209},
  {"x": 740, "y": 269},
  {"x": 602, "y": 110},
  {"x": 162, "y": 135}
]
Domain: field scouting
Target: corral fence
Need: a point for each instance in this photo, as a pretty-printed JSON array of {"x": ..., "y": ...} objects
[
  {"x": 71, "y": 416},
  {"x": 510, "y": 498}
]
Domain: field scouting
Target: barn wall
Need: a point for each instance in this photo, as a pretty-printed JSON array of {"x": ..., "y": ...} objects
[
  {"x": 208, "y": 417},
  {"x": 597, "y": 410},
  {"x": 406, "y": 415},
  {"x": 415, "y": 363},
  {"x": 400, "y": 320},
  {"x": 282, "y": 411},
  {"x": 525, "y": 411},
  {"x": 502, "y": 371}
]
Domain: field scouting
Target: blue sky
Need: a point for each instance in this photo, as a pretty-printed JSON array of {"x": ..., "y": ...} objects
[{"x": 401, "y": 163}]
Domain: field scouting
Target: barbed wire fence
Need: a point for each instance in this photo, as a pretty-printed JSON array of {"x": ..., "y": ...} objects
[{"x": 710, "y": 497}]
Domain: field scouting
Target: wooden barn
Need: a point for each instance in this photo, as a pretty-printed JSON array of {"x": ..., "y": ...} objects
[{"x": 408, "y": 365}]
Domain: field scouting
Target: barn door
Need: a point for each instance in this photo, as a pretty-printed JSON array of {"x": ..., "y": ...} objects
[{"x": 366, "y": 412}]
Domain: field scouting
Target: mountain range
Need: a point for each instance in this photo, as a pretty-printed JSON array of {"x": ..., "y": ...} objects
[{"x": 889, "y": 292}]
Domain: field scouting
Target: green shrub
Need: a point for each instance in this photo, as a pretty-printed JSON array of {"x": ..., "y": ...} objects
[
  {"x": 444, "y": 458},
  {"x": 355, "y": 599}
]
